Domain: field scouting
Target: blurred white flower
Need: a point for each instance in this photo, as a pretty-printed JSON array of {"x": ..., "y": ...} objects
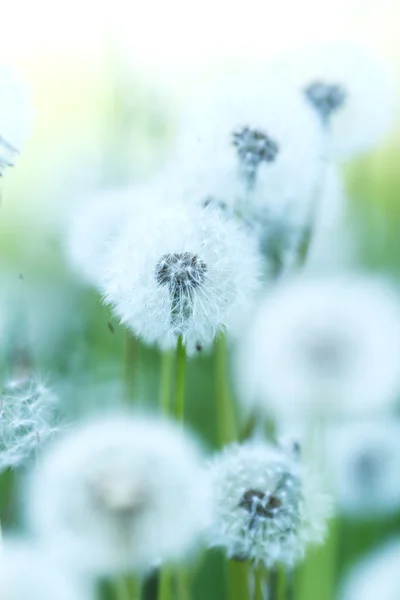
[
  {"x": 254, "y": 142},
  {"x": 267, "y": 506},
  {"x": 363, "y": 460},
  {"x": 352, "y": 91},
  {"x": 14, "y": 117},
  {"x": 27, "y": 571},
  {"x": 180, "y": 269},
  {"x": 91, "y": 225},
  {"x": 375, "y": 576},
  {"x": 120, "y": 493},
  {"x": 325, "y": 344},
  {"x": 28, "y": 418}
]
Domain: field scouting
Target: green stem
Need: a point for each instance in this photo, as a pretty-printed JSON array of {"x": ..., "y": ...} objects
[
  {"x": 121, "y": 589},
  {"x": 226, "y": 418},
  {"x": 166, "y": 377},
  {"x": 259, "y": 583},
  {"x": 183, "y": 584},
  {"x": 165, "y": 584},
  {"x": 131, "y": 367},
  {"x": 180, "y": 373},
  {"x": 238, "y": 580},
  {"x": 277, "y": 584}
]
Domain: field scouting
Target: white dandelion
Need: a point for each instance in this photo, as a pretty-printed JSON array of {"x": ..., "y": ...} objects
[
  {"x": 28, "y": 571},
  {"x": 376, "y": 575},
  {"x": 181, "y": 270},
  {"x": 363, "y": 460},
  {"x": 28, "y": 419},
  {"x": 120, "y": 494},
  {"x": 254, "y": 137},
  {"x": 14, "y": 117},
  {"x": 325, "y": 344},
  {"x": 91, "y": 225},
  {"x": 351, "y": 90},
  {"x": 267, "y": 506}
]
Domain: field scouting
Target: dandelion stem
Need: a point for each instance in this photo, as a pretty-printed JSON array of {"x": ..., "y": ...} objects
[
  {"x": 165, "y": 584},
  {"x": 167, "y": 365},
  {"x": 226, "y": 419},
  {"x": 259, "y": 583},
  {"x": 238, "y": 580},
  {"x": 183, "y": 584},
  {"x": 131, "y": 375},
  {"x": 180, "y": 372},
  {"x": 121, "y": 588}
]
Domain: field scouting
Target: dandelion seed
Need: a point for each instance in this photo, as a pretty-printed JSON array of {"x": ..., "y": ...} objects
[
  {"x": 267, "y": 507},
  {"x": 180, "y": 269},
  {"x": 119, "y": 494},
  {"x": 327, "y": 344},
  {"x": 28, "y": 571}
]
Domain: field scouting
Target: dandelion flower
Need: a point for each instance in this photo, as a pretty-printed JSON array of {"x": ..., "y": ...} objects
[
  {"x": 14, "y": 117},
  {"x": 255, "y": 141},
  {"x": 120, "y": 494},
  {"x": 375, "y": 576},
  {"x": 325, "y": 344},
  {"x": 27, "y": 571},
  {"x": 363, "y": 460},
  {"x": 180, "y": 269},
  {"x": 350, "y": 89},
  {"x": 28, "y": 411},
  {"x": 267, "y": 506}
]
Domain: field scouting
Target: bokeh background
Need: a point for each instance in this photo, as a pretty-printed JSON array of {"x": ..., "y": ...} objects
[{"x": 107, "y": 82}]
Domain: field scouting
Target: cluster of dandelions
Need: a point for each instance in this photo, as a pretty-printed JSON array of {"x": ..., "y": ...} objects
[{"x": 217, "y": 245}]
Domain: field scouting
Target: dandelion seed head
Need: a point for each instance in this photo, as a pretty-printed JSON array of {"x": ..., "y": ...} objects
[
  {"x": 363, "y": 461},
  {"x": 27, "y": 570},
  {"x": 267, "y": 508},
  {"x": 182, "y": 269},
  {"x": 376, "y": 575},
  {"x": 120, "y": 493},
  {"x": 327, "y": 98},
  {"x": 328, "y": 343}
]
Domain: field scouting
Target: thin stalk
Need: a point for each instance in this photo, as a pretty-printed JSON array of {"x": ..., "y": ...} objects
[
  {"x": 226, "y": 418},
  {"x": 121, "y": 589},
  {"x": 259, "y": 583},
  {"x": 165, "y": 584},
  {"x": 183, "y": 584},
  {"x": 238, "y": 580},
  {"x": 166, "y": 378},
  {"x": 131, "y": 367},
  {"x": 180, "y": 373}
]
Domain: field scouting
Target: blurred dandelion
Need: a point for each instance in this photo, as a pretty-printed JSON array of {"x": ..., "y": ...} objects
[{"x": 14, "y": 117}]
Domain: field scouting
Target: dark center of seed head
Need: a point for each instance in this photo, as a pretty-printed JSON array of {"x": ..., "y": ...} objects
[
  {"x": 254, "y": 147},
  {"x": 180, "y": 271},
  {"x": 259, "y": 504},
  {"x": 326, "y": 98}
]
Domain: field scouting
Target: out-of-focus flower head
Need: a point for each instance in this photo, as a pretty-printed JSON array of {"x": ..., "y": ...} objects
[
  {"x": 375, "y": 576},
  {"x": 181, "y": 269},
  {"x": 363, "y": 460},
  {"x": 14, "y": 117},
  {"x": 329, "y": 344},
  {"x": 267, "y": 506},
  {"x": 351, "y": 90},
  {"x": 28, "y": 571},
  {"x": 28, "y": 418},
  {"x": 119, "y": 494}
]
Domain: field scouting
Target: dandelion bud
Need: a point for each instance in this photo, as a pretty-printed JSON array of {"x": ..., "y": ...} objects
[
  {"x": 119, "y": 494},
  {"x": 375, "y": 576},
  {"x": 329, "y": 344},
  {"x": 180, "y": 269},
  {"x": 267, "y": 507},
  {"x": 14, "y": 117},
  {"x": 27, "y": 571}
]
